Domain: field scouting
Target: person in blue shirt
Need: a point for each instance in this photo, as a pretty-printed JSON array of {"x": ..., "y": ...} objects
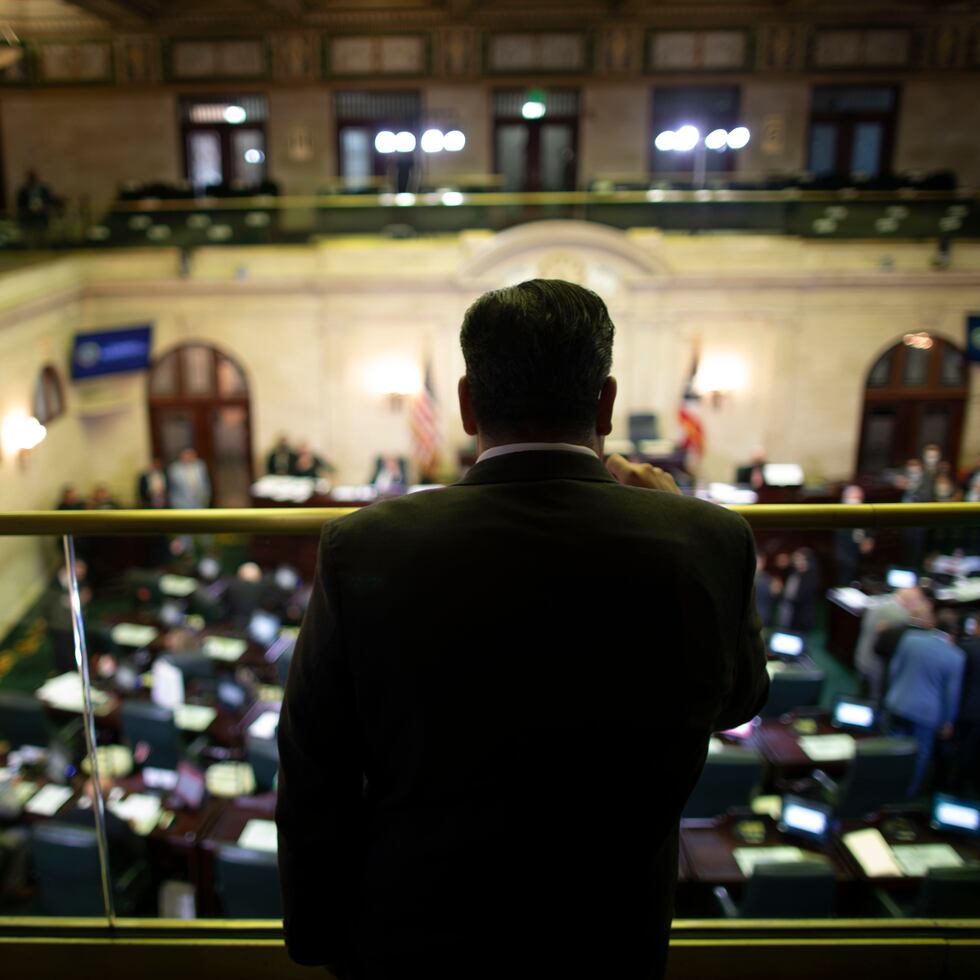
[{"x": 924, "y": 682}]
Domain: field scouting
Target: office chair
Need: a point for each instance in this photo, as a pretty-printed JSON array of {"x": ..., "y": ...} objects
[
  {"x": 247, "y": 882},
  {"x": 23, "y": 721},
  {"x": 194, "y": 666},
  {"x": 944, "y": 893},
  {"x": 729, "y": 779},
  {"x": 880, "y": 772},
  {"x": 791, "y": 689},
  {"x": 143, "y": 721},
  {"x": 66, "y": 861},
  {"x": 797, "y": 890},
  {"x": 262, "y": 754}
]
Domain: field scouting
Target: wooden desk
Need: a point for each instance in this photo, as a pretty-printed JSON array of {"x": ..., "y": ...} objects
[
  {"x": 226, "y": 827},
  {"x": 778, "y": 744},
  {"x": 709, "y": 847},
  {"x": 905, "y": 825}
]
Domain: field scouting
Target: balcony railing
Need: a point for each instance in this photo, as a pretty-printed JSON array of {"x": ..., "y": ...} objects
[{"x": 113, "y": 944}]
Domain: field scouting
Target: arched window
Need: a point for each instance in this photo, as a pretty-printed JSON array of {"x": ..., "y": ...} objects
[
  {"x": 198, "y": 398},
  {"x": 915, "y": 394},
  {"x": 49, "y": 396}
]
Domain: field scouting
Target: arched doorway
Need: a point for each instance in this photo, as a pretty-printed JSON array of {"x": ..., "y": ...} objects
[
  {"x": 915, "y": 394},
  {"x": 198, "y": 397}
]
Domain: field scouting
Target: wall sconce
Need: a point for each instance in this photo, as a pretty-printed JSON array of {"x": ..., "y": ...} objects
[
  {"x": 720, "y": 377},
  {"x": 20, "y": 434},
  {"x": 395, "y": 379}
]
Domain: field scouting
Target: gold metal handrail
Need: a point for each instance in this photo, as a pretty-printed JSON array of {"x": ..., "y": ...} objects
[{"x": 309, "y": 520}]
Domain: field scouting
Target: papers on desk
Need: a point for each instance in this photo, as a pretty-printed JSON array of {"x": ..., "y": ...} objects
[
  {"x": 165, "y": 779},
  {"x": 259, "y": 835},
  {"x": 230, "y": 779},
  {"x": 193, "y": 717},
  {"x": 725, "y": 493},
  {"x": 133, "y": 635},
  {"x": 49, "y": 800},
  {"x": 265, "y": 725},
  {"x": 65, "y": 693},
  {"x": 827, "y": 748},
  {"x": 850, "y": 598},
  {"x": 749, "y": 858},
  {"x": 872, "y": 852},
  {"x": 140, "y": 810},
  {"x": 353, "y": 494},
  {"x": 916, "y": 859},
  {"x": 227, "y": 648},
  {"x": 294, "y": 489},
  {"x": 177, "y": 586},
  {"x": 115, "y": 761}
]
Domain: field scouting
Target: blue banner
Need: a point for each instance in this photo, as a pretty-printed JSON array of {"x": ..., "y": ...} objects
[{"x": 111, "y": 352}]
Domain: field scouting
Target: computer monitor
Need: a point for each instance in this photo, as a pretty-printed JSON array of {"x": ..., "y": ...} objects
[
  {"x": 782, "y": 474},
  {"x": 287, "y": 578},
  {"x": 901, "y": 578},
  {"x": 263, "y": 627},
  {"x": 805, "y": 818},
  {"x": 168, "y": 684},
  {"x": 955, "y": 815},
  {"x": 786, "y": 644},
  {"x": 231, "y": 695},
  {"x": 854, "y": 713}
]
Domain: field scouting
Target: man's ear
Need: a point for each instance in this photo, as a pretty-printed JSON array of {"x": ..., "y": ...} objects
[
  {"x": 466, "y": 407},
  {"x": 604, "y": 407}
]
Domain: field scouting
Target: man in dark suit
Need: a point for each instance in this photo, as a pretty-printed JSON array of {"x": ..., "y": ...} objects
[{"x": 480, "y": 775}]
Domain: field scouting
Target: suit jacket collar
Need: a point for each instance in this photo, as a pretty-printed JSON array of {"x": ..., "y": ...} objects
[{"x": 537, "y": 465}]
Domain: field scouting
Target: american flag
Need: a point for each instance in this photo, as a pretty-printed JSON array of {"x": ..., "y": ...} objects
[
  {"x": 425, "y": 430},
  {"x": 689, "y": 416}
]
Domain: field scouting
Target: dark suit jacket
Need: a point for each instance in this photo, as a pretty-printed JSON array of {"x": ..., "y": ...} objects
[
  {"x": 143, "y": 489},
  {"x": 499, "y": 701}
]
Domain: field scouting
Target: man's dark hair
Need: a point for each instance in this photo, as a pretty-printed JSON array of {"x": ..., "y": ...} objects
[{"x": 537, "y": 355}]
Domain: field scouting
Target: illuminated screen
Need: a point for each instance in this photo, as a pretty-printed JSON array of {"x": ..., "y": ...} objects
[
  {"x": 956, "y": 814},
  {"x": 902, "y": 578},
  {"x": 787, "y": 644},
  {"x": 804, "y": 819},
  {"x": 854, "y": 715}
]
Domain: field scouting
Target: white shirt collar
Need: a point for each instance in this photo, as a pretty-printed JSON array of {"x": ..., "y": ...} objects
[{"x": 537, "y": 447}]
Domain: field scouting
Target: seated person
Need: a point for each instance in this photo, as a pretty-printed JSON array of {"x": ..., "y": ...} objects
[
  {"x": 309, "y": 463},
  {"x": 390, "y": 475},
  {"x": 282, "y": 460},
  {"x": 70, "y": 498},
  {"x": 245, "y": 593},
  {"x": 752, "y": 474},
  {"x": 102, "y": 499}
]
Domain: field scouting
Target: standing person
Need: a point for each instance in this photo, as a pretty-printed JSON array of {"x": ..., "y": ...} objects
[
  {"x": 966, "y": 766},
  {"x": 924, "y": 683},
  {"x": 190, "y": 486},
  {"x": 851, "y": 544},
  {"x": 36, "y": 204},
  {"x": 894, "y": 610},
  {"x": 478, "y": 777},
  {"x": 152, "y": 487},
  {"x": 798, "y": 603}
]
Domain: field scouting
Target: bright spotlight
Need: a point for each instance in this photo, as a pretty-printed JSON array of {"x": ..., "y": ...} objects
[
  {"x": 405, "y": 141},
  {"x": 234, "y": 114},
  {"x": 717, "y": 139},
  {"x": 452, "y": 198},
  {"x": 253, "y": 155},
  {"x": 666, "y": 140},
  {"x": 532, "y": 109},
  {"x": 384, "y": 142},
  {"x": 405, "y": 199},
  {"x": 738, "y": 138},
  {"x": 454, "y": 141},
  {"x": 686, "y": 138},
  {"x": 433, "y": 141}
]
